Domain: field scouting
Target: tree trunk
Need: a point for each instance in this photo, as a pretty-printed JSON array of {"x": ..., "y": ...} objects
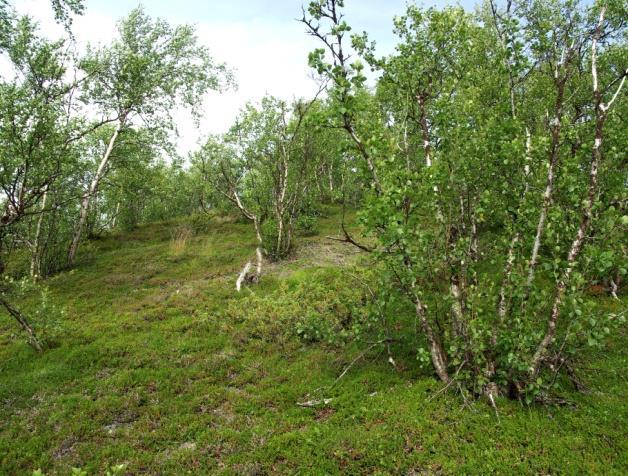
[
  {"x": 331, "y": 182},
  {"x": 439, "y": 360},
  {"x": 90, "y": 193},
  {"x": 549, "y": 187},
  {"x": 114, "y": 222},
  {"x": 425, "y": 129},
  {"x": 280, "y": 205},
  {"x": 574, "y": 251},
  {"x": 502, "y": 308},
  {"x": 19, "y": 317},
  {"x": 246, "y": 275},
  {"x": 362, "y": 149},
  {"x": 35, "y": 268}
]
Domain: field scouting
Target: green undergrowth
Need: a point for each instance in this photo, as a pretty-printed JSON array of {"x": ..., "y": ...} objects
[{"x": 164, "y": 368}]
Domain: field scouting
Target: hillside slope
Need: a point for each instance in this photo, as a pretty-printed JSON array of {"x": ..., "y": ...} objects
[{"x": 163, "y": 367}]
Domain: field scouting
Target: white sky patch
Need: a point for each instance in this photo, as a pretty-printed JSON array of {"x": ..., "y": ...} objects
[
  {"x": 265, "y": 59},
  {"x": 93, "y": 27}
]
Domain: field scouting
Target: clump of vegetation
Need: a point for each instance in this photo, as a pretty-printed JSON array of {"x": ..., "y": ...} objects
[
  {"x": 307, "y": 225},
  {"x": 179, "y": 241},
  {"x": 318, "y": 309},
  {"x": 45, "y": 319}
]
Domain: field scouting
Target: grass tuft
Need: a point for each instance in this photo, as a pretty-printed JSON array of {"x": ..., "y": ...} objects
[{"x": 180, "y": 237}]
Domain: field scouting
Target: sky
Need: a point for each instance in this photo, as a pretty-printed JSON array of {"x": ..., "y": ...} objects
[{"x": 260, "y": 40}]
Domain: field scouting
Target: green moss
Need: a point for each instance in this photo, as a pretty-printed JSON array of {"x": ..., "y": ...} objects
[{"x": 165, "y": 368}]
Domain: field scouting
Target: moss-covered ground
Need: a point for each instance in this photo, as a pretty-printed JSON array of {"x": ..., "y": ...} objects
[{"x": 160, "y": 368}]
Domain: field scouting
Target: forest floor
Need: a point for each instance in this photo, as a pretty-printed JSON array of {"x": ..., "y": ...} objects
[{"x": 164, "y": 368}]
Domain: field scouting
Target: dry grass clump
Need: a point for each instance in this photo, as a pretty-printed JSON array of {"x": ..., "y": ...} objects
[{"x": 179, "y": 239}]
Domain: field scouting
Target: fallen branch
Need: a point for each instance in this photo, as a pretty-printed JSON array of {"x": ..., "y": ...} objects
[
  {"x": 246, "y": 276},
  {"x": 491, "y": 392},
  {"x": 347, "y": 237},
  {"x": 19, "y": 317},
  {"x": 614, "y": 288},
  {"x": 314, "y": 403}
]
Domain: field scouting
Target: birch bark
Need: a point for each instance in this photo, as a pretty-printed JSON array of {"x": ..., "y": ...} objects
[
  {"x": 93, "y": 187},
  {"x": 601, "y": 112}
]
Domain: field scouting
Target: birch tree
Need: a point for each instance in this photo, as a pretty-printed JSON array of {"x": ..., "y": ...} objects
[
  {"x": 148, "y": 71},
  {"x": 477, "y": 114},
  {"x": 263, "y": 167},
  {"x": 33, "y": 137},
  {"x": 601, "y": 108},
  {"x": 38, "y": 131}
]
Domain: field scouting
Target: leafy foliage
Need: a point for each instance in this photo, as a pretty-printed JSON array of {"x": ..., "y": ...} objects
[
  {"x": 472, "y": 115},
  {"x": 44, "y": 314}
]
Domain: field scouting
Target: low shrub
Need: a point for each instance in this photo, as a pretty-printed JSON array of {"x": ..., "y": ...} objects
[
  {"x": 307, "y": 225},
  {"x": 319, "y": 308}
]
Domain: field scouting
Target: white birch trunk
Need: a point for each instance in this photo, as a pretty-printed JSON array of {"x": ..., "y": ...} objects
[
  {"x": 93, "y": 187},
  {"x": 436, "y": 350},
  {"x": 549, "y": 187},
  {"x": 35, "y": 268},
  {"x": 115, "y": 217},
  {"x": 510, "y": 258},
  {"x": 331, "y": 181},
  {"x": 456, "y": 308},
  {"x": 246, "y": 275},
  {"x": 243, "y": 276}
]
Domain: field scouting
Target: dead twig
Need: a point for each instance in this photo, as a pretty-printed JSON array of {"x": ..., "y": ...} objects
[
  {"x": 449, "y": 384},
  {"x": 360, "y": 356}
]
